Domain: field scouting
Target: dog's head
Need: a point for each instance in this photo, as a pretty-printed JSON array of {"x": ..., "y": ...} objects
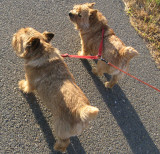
[
  {"x": 27, "y": 42},
  {"x": 83, "y": 15}
]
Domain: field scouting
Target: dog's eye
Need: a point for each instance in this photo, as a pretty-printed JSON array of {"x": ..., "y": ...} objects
[{"x": 79, "y": 15}]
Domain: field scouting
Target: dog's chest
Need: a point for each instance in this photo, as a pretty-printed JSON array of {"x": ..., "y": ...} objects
[{"x": 91, "y": 44}]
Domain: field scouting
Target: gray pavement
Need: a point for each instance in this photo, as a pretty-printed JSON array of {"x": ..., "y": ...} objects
[{"x": 129, "y": 119}]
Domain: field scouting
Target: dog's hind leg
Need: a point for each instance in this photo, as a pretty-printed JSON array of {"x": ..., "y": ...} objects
[
  {"x": 113, "y": 81},
  {"x": 61, "y": 144}
]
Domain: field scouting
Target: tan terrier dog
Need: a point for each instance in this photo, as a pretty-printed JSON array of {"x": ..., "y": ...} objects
[
  {"x": 48, "y": 75},
  {"x": 90, "y": 23}
]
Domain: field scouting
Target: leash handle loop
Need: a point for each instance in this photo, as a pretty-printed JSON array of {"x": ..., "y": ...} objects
[{"x": 65, "y": 55}]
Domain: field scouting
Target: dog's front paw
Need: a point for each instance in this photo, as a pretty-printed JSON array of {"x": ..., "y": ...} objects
[
  {"x": 94, "y": 70},
  {"x": 23, "y": 85},
  {"x": 108, "y": 85},
  {"x": 80, "y": 53}
]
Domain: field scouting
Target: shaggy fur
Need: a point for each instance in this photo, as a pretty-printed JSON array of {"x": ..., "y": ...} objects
[
  {"x": 48, "y": 75},
  {"x": 90, "y": 22}
]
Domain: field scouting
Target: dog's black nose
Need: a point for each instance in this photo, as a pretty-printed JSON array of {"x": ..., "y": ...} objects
[{"x": 70, "y": 14}]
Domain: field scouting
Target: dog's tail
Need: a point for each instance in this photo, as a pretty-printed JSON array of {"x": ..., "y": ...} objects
[
  {"x": 88, "y": 112},
  {"x": 129, "y": 52}
]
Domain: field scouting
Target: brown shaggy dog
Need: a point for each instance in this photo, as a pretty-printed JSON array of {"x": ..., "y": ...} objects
[
  {"x": 90, "y": 22},
  {"x": 48, "y": 75}
]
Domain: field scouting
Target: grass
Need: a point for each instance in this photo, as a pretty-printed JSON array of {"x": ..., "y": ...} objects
[{"x": 145, "y": 18}]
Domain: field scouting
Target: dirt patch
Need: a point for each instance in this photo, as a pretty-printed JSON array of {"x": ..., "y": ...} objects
[{"x": 145, "y": 18}]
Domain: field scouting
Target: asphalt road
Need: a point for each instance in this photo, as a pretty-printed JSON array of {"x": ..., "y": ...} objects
[{"x": 129, "y": 119}]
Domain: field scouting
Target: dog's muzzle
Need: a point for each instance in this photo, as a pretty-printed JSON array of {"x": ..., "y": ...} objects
[{"x": 71, "y": 15}]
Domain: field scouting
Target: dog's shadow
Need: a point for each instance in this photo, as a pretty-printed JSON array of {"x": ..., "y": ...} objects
[
  {"x": 75, "y": 146},
  {"x": 125, "y": 115}
]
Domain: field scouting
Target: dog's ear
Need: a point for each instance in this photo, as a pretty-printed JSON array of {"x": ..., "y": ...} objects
[
  {"x": 48, "y": 35},
  {"x": 93, "y": 13},
  {"x": 90, "y": 5},
  {"x": 33, "y": 43}
]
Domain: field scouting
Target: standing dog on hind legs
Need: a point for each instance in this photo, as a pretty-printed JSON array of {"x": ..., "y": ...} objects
[
  {"x": 90, "y": 23},
  {"x": 48, "y": 75}
]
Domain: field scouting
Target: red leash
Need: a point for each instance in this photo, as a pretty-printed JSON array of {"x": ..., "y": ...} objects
[
  {"x": 81, "y": 57},
  {"x": 88, "y": 57},
  {"x": 101, "y": 44},
  {"x": 133, "y": 77},
  {"x": 99, "y": 57}
]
